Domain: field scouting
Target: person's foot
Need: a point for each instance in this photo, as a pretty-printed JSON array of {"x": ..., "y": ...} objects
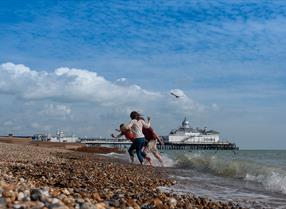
[
  {"x": 161, "y": 162},
  {"x": 149, "y": 160},
  {"x": 132, "y": 159}
]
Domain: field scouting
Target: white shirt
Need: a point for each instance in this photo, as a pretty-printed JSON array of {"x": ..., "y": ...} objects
[{"x": 137, "y": 125}]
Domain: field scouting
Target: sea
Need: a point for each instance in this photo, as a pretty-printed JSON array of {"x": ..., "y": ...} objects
[{"x": 250, "y": 178}]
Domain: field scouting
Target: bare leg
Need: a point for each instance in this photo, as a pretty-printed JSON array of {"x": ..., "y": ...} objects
[
  {"x": 149, "y": 160},
  {"x": 158, "y": 156}
]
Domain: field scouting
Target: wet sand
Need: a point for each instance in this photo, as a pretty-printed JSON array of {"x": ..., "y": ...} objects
[{"x": 46, "y": 176}]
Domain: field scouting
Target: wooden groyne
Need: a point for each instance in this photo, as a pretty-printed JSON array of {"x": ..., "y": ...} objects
[{"x": 166, "y": 146}]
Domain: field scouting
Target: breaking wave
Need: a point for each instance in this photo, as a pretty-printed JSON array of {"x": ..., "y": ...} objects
[{"x": 272, "y": 178}]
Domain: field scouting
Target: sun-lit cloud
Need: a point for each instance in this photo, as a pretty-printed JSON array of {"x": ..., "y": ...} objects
[
  {"x": 68, "y": 85},
  {"x": 121, "y": 80},
  {"x": 68, "y": 96},
  {"x": 57, "y": 110},
  {"x": 71, "y": 85}
]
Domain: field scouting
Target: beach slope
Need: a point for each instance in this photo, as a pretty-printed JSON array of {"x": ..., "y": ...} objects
[{"x": 35, "y": 176}]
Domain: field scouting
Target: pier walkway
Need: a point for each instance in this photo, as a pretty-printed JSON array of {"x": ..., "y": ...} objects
[{"x": 166, "y": 146}]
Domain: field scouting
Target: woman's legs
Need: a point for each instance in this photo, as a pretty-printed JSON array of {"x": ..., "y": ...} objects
[
  {"x": 130, "y": 151},
  {"x": 158, "y": 156},
  {"x": 152, "y": 147},
  {"x": 139, "y": 144}
]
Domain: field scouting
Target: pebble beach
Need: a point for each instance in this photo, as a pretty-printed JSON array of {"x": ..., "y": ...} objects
[{"x": 59, "y": 178}]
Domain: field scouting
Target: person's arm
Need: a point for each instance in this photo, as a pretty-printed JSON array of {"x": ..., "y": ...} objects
[
  {"x": 118, "y": 136},
  {"x": 158, "y": 138},
  {"x": 146, "y": 125},
  {"x": 130, "y": 124}
]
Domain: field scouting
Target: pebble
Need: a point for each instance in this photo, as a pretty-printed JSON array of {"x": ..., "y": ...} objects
[
  {"x": 172, "y": 202},
  {"x": 22, "y": 180},
  {"x": 55, "y": 201},
  {"x": 20, "y": 196},
  {"x": 18, "y": 206},
  {"x": 2, "y": 202},
  {"x": 40, "y": 204},
  {"x": 102, "y": 206},
  {"x": 79, "y": 200},
  {"x": 52, "y": 178},
  {"x": 35, "y": 194},
  {"x": 27, "y": 192}
]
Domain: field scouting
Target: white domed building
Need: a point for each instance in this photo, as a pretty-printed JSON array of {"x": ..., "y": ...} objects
[{"x": 186, "y": 134}]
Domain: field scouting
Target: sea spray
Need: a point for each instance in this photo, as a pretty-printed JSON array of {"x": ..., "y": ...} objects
[
  {"x": 167, "y": 161},
  {"x": 275, "y": 181},
  {"x": 272, "y": 177}
]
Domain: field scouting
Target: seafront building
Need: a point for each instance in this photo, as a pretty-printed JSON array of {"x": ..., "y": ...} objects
[
  {"x": 60, "y": 137},
  {"x": 186, "y": 134},
  {"x": 184, "y": 137}
]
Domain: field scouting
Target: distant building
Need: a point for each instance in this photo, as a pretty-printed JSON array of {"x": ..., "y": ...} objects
[
  {"x": 40, "y": 137},
  {"x": 60, "y": 137},
  {"x": 186, "y": 134}
]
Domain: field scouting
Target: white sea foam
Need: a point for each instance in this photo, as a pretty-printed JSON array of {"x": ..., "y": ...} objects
[
  {"x": 111, "y": 154},
  {"x": 271, "y": 177},
  {"x": 167, "y": 161},
  {"x": 275, "y": 181}
]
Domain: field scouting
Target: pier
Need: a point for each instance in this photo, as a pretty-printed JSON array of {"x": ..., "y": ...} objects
[{"x": 165, "y": 146}]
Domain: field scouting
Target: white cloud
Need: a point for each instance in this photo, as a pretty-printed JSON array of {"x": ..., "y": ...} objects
[
  {"x": 69, "y": 85},
  {"x": 121, "y": 80},
  {"x": 82, "y": 86},
  {"x": 57, "y": 110},
  {"x": 35, "y": 125},
  {"x": 215, "y": 107},
  {"x": 8, "y": 123},
  {"x": 38, "y": 127},
  {"x": 85, "y": 100}
]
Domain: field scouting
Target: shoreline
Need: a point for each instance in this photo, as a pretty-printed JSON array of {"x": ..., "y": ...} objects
[{"x": 54, "y": 177}]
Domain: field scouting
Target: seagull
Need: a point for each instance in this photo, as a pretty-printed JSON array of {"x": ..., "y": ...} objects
[{"x": 175, "y": 95}]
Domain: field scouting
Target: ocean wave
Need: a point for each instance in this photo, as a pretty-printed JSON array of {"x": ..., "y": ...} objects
[
  {"x": 112, "y": 154},
  {"x": 271, "y": 177},
  {"x": 167, "y": 161},
  {"x": 275, "y": 181}
]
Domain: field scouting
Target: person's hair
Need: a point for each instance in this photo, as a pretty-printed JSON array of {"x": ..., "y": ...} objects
[
  {"x": 134, "y": 115},
  {"x": 122, "y": 127}
]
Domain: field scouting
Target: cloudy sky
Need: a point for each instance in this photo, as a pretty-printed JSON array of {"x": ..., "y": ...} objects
[{"x": 82, "y": 66}]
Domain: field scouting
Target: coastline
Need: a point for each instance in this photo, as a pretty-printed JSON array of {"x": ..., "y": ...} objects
[{"x": 33, "y": 176}]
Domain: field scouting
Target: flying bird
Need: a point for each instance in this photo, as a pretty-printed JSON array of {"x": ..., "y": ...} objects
[{"x": 175, "y": 95}]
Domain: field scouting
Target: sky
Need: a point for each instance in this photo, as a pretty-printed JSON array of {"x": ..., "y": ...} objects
[{"x": 83, "y": 66}]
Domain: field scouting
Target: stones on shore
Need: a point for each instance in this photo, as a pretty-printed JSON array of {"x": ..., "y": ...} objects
[
  {"x": 60, "y": 180},
  {"x": 35, "y": 194}
]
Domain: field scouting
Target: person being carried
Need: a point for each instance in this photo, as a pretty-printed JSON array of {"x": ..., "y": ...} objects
[
  {"x": 124, "y": 131},
  {"x": 152, "y": 138},
  {"x": 136, "y": 125}
]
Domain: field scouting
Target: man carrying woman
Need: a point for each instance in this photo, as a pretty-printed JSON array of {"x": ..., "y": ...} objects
[
  {"x": 133, "y": 132},
  {"x": 136, "y": 125}
]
